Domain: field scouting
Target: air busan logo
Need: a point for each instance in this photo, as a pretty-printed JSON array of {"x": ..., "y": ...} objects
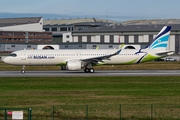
[
  {"x": 159, "y": 41},
  {"x": 41, "y": 57}
]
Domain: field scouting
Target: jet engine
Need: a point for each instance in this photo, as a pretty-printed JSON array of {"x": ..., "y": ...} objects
[{"x": 72, "y": 65}]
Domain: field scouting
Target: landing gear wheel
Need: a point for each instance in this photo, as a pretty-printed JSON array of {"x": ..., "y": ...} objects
[
  {"x": 91, "y": 70},
  {"x": 86, "y": 70},
  {"x": 22, "y": 71}
]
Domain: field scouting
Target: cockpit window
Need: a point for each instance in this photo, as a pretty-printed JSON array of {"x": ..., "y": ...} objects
[{"x": 13, "y": 55}]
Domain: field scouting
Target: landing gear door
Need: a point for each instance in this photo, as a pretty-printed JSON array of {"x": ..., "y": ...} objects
[{"x": 23, "y": 55}]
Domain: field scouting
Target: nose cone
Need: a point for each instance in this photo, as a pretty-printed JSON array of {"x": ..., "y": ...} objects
[{"x": 7, "y": 60}]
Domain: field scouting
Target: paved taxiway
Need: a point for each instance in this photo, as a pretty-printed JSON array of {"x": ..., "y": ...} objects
[{"x": 97, "y": 73}]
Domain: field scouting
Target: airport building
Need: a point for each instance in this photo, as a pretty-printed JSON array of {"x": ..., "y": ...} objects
[
  {"x": 36, "y": 33},
  {"x": 129, "y": 35},
  {"x": 108, "y": 34},
  {"x": 20, "y": 33}
]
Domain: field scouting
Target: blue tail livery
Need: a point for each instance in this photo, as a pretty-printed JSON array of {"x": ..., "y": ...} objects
[{"x": 160, "y": 42}]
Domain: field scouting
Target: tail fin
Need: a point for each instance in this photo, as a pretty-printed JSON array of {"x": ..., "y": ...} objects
[{"x": 160, "y": 42}]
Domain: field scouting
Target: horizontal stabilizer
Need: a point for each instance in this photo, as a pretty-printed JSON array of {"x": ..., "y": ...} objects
[{"x": 166, "y": 53}]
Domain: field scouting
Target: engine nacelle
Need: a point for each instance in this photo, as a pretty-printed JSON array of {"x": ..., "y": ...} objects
[{"x": 72, "y": 65}]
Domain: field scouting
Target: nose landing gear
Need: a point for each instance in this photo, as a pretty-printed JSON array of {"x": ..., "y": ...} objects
[{"x": 23, "y": 69}]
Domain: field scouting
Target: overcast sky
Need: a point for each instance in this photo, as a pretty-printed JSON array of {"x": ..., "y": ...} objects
[{"x": 117, "y": 10}]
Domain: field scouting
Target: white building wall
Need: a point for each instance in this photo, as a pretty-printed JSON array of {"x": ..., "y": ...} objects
[
  {"x": 40, "y": 47},
  {"x": 67, "y": 37},
  {"x": 145, "y": 38},
  {"x": 97, "y": 38},
  {"x": 116, "y": 38},
  {"x": 15, "y": 47},
  {"x": 154, "y": 36},
  {"x": 38, "y": 27},
  {"x": 121, "y": 39},
  {"x": 106, "y": 39},
  {"x": 140, "y": 38},
  {"x": 171, "y": 41},
  {"x": 75, "y": 39},
  {"x": 131, "y": 39},
  {"x": 84, "y": 38},
  {"x": 135, "y": 46},
  {"x": 93, "y": 39}
]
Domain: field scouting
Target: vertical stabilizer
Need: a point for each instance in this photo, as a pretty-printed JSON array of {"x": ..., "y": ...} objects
[{"x": 160, "y": 42}]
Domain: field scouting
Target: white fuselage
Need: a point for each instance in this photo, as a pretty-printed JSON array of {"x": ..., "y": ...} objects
[{"x": 60, "y": 57}]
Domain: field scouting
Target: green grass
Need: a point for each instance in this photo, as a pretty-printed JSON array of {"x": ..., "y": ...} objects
[
  {"x": 140, "y": 89},
  {"x": 103, "y": 95}
]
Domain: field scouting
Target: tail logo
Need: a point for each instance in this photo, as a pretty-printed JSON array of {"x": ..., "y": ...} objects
[{"x": 161, "y": 40}]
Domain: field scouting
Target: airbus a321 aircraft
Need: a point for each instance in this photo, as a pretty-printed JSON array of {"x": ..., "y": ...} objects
[{"x": 78, "y": 59}]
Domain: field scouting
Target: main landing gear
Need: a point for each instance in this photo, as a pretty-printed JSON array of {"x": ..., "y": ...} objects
[
  {"x": 89, "y": 70},
  {"x": 23, "y": 69}
]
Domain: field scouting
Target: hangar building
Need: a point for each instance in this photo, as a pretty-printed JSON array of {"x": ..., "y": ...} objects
[
  {"x": 20, "y": 33},
  {"x": 34, "y": 32},
  {"x": 108, "y": 34}
]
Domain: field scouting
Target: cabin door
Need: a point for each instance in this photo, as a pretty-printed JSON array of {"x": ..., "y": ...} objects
[{"x": 23, "y": 55}]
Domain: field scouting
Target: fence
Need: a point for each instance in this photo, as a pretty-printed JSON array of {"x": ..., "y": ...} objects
[
  {"x": 7, "y": 113},
  {"x": 97, "y": 112},
  {"x": 116, "y": 112}
]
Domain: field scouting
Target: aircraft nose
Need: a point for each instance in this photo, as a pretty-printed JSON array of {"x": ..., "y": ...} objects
[{"x": 7, "y": 60}]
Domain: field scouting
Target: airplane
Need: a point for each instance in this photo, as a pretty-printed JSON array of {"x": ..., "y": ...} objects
[{"x": 86, "y": 58}]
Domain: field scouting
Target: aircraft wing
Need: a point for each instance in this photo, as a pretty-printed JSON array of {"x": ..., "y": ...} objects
[{"x": 100, "y": 58}]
